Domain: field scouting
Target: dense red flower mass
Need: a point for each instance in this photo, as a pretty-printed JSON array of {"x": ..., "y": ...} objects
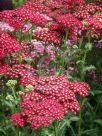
[
  {"x": 8, "y": 44},
  {"x": 64, "y": 13},
  {"x": 52, "y": 98},
  {"x": 17, "y": 70},
  {"x": 69, "y": 21},
  {"x": 47, "y": 35},
  {"x": 18, "y": 119}
]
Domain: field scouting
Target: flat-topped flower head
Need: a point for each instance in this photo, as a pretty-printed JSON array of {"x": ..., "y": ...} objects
[{"x": 51, "y": 99}]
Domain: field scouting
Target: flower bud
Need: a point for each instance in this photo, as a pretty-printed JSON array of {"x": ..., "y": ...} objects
[
  {"x": 9, "y": 97},
  {"x": 11, "y": 83},
  {"x": 88, "y": 46},
  {"x": 85, "y": 24},
  {"x": 29, "y": 88}
]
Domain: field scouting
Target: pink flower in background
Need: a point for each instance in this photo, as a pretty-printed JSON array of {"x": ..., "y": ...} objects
[
  {"x": 51, "y": 52},
  {"x": 38, "y": 46},
  {"x": 26, "y": 27},
  {"x": 37, "y": 29},
  {"x": 99, "y": 44},
  {"x": 6, "y": 27},
  {"x": 47, "y": 17}
]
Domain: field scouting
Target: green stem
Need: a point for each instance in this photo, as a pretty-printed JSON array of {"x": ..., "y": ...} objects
[
  {"x": 13, "y": 92},
  {"x": 98, "y": 104},
  {"x": 30, "y": 35},
  {"x": 66, "y": 38},
  {"x": 80, "y": 121},
  {"x": 82, "y": 76},
  {"x": 55, "y": 129},
  {"x": 72, "y": 131},
  {"x": 17, "y": 131}
]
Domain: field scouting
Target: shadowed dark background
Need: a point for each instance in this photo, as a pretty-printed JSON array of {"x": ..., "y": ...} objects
[{"x": 6, "y": 4}]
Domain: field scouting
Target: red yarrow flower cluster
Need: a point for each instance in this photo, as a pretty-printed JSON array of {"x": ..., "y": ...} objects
[
  {"x": 69, "y": 21},
  {"x": 62, "y": 15},
  {"x": 30, "y": 11},
  {"x": 93, "y": 25},
  {"x": 38, "y": 19},
  {"x": 46, "y": 35},
  {"x": 8, "y": 44},
  {"x": 17, "y": 70},
  {"x": 35, "y": 6},
  {"x": 18, "y": 119},
  {"x": 87, "y": 10},
  {"x": 52, "y": 98}
]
